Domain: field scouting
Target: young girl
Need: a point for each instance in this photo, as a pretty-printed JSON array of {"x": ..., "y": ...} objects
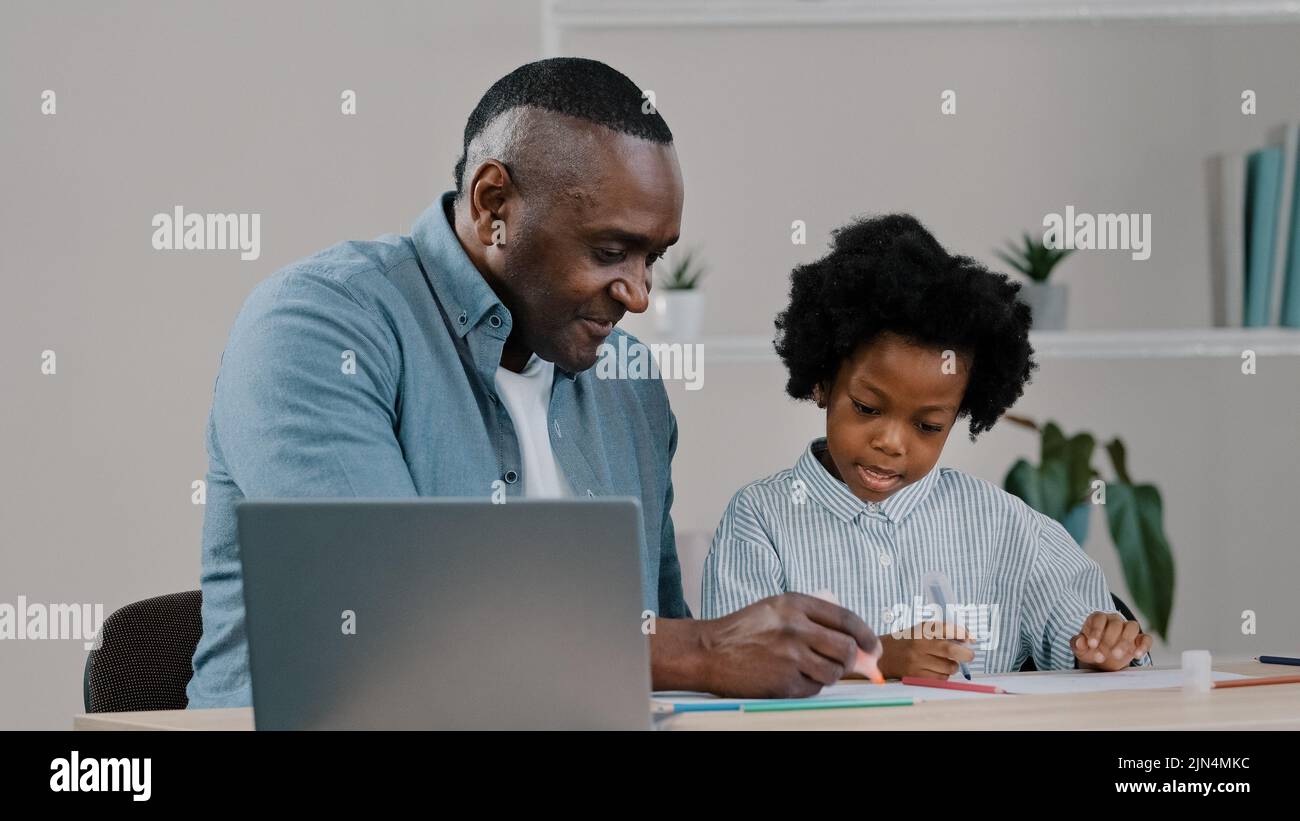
[{"x": 897, "y": 340}]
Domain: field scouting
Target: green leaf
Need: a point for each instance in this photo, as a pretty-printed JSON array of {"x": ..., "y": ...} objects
[
  {"x": 683, "y": 274},
  {"x": 1014, "y": 262},
  {"x": 1078, "y": 460},
  {"x": 1056, "y": 490},
  {"x": 1045, "y": 488},
  {"x": 1053, "y": 445},
  {"x": 1136, "y": 517},
  {"x": 1023, "y": 481},
  {"x": 1033, "y": 259},
  {"x": 1119, "y": 459}
]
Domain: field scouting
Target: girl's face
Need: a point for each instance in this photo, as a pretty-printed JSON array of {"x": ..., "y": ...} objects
[{"x": 889, "y": 411}]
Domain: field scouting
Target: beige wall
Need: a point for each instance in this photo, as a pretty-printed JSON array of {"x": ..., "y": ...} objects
[
  {"x": 235, "y": 108},
  {"x": 218, "y": 107},
  {"x": 821, "y": 123}
]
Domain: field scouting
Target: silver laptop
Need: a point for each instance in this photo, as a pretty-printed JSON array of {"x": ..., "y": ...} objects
[{"x": 445, "y": 614}]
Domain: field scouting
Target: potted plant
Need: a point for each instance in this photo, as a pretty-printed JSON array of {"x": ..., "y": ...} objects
[
  {"x": 1047, "y": 300},
  {"x": 678, "y": 303},
  {"x": 1061, "y": 486}
]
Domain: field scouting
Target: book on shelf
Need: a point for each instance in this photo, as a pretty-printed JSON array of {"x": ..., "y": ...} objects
[
  {"x": 1289, "y": 255},
  {"x": 1263, "y": 192},
  {"x": 1226, "y": 180},
  {"x": 1288, "y": 138},
  {"x": 1254, "y": 211}
]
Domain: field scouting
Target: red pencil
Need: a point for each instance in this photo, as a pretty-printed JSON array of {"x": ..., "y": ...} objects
[
  {"x": 953, "y": 685},
  {"x": 1251, "y": 682}
]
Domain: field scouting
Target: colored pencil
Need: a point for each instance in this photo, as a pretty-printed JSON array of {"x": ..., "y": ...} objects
[
  {"x": 1255, "y": 682},
  {"x": 782, "y": 705},
  {"x": 952, "y": 685}
]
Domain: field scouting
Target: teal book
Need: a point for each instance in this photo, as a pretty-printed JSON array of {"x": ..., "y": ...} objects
[
  {"x": 1290, "y": 315},
  {"x": 1263, "y": 195}
]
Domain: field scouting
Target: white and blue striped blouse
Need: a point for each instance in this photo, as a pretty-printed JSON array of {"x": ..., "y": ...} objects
[{"x": 1021, "y": 585}]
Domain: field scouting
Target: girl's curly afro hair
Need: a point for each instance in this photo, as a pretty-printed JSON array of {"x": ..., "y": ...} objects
[{"x": 888, "y": 274}]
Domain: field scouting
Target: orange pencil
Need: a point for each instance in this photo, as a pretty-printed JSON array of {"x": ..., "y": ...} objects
[
  {"x": 1254, "y": 682},
  {"x": 955, "y": 685},
  {"x": 865, "y": 664}
]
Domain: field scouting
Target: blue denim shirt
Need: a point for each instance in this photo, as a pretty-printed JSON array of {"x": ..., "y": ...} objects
[{"x": 418, "y": 417}]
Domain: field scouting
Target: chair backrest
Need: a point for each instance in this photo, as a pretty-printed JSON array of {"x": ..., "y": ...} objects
[{"x": 144, "y": 653}]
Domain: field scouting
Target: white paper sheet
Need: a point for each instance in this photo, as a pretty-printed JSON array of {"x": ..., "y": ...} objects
[
  {"x": 1056, "y": 683},
  {"x": 840, "y": 691},
  {"x": 1090, "y": 681}
]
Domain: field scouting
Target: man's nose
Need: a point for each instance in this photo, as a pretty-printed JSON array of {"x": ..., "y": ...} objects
[{"x": 633, "y": 293}]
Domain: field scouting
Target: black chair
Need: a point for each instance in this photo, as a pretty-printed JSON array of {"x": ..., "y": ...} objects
[
  {"x": 1029, "y": 666},
  {"x": 143, "y": 657}
]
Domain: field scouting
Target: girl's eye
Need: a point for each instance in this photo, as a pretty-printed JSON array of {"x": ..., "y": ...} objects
[
  {"x": 931, "y": 428},
  {"x": 861, "y": 408},
  {"x": 610, "y": 255}
]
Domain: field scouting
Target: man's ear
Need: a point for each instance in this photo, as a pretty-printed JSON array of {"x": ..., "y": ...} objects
[{"x": 490, "y": 193}]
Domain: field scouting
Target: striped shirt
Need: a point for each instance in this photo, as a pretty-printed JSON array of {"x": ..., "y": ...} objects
[{"x": 1021, "y": 585}]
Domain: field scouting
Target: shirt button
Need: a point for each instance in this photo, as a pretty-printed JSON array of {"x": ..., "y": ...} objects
[
  {"x": 887, "y": 615},
  {"x": 874, "y": 507},
  {"x": 463, "y": 318},
  {"x": 494, "y": 321},
  {"x": 511, "y": 477},
  {"x": 885, "y": 560}
]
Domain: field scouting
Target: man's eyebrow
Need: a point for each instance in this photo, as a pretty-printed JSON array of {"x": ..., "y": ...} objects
[
  {"x": 865, "y": 385},
  {"x": 628, "y": 238}
]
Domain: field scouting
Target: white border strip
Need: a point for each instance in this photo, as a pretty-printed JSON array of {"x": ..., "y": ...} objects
[
  {"x": 573, "y": 14},
  {"x": 1094, "y": 345}
]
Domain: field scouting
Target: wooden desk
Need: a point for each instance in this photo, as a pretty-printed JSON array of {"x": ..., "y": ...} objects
[
  {"x": 1274, "y": 707},
  {"x": 231, "y": 718}
]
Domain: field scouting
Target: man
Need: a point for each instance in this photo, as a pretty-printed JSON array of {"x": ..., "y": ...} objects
[{"x": 455, "y": 362}]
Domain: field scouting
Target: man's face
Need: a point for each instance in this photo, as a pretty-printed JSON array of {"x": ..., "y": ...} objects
[
  {"x": 578, "y": 258},
  {"x": 889, "y": 412}
]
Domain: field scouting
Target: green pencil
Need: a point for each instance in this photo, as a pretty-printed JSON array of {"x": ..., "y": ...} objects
[{"x": 781, "y": 705}]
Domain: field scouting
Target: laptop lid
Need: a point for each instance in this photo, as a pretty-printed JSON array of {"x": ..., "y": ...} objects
[{"x": 445, "y": 614}]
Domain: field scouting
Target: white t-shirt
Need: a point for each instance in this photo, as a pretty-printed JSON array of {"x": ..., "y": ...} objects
[{"x": 527, "y": 396}]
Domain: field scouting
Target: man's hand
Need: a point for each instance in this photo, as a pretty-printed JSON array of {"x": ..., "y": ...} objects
[
  {"x": 932, "y": 650},
  {"x": 786, "y": 646},
  {"x": 1107, "y": 641}
]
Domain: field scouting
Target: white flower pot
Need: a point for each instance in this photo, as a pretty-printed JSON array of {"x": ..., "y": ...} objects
[
  {"x": 678, "y": 314},
  {"x": 1048, "y": 302}
]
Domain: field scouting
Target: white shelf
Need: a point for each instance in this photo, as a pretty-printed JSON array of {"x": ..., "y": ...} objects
[
  {"x": 1169, "y": 344},
  {"x": 573, "y": 14},
  {"x": 1145, "y": 344}
]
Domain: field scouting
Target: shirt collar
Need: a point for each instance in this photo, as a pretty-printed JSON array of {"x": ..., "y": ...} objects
[
  {"x": 836, "y": 497},
  {"x": 465, "y": 296}
]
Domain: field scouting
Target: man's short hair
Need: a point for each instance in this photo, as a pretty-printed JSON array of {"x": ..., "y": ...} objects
[{"x": 586, "y": 89}]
